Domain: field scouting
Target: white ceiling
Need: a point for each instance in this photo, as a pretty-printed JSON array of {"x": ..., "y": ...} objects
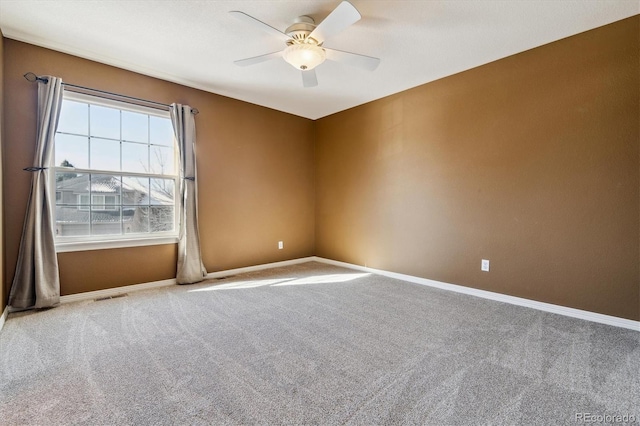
[{"x": 195, "y": 42}]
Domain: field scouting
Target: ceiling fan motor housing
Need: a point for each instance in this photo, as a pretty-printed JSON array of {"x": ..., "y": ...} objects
[
  {"x": 300, "y": 30},
  {"x": 303, "y": 52}
]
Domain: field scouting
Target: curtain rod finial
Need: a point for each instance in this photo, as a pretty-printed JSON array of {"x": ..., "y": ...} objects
[{"x": 33, "y": 78}]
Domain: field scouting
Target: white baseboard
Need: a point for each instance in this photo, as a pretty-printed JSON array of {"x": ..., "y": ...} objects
[
  {"x": 155, "y": 284},
  {"x": 3, "y": 318},
  {"x": 108, "y": 292},
  {"x": 236, "y": 271},
  {"x": 547, "y": 307}
]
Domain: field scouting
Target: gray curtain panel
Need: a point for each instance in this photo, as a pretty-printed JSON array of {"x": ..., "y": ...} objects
[
  {"x": 36, "y": 283},
  {"x": 190, "y": 266}
]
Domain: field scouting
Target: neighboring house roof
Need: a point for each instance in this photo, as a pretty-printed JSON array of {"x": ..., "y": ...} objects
[
  {"x": 80, "y": 184},
  {"x": 107, "y": 184}
]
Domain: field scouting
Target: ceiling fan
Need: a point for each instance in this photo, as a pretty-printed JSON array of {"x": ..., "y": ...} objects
[{"x": 304, "y": 41}]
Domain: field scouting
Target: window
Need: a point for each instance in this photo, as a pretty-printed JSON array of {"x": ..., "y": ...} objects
[
  {"x": 98, "y": 202},
  {"x": 114, "y": 174}
]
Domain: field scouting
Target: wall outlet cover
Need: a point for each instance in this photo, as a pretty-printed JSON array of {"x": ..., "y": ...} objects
[{"x": 484, "y": 265}]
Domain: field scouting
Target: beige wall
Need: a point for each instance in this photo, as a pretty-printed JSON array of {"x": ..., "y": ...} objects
[
  {"x": 531, "y": 162},
  {"x": 255, "y": 175}
]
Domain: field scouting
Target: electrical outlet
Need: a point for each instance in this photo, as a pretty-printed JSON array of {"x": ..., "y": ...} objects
[
  {"x": 484, "y": 265},
  {"x": 280, "y": 245}
]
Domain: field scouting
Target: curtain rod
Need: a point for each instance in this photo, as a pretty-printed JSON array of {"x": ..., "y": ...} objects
[{"x": 33, "y": 78}]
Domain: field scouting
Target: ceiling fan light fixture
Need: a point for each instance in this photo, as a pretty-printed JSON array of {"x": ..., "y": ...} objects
[{"x": 304, "y": 56}]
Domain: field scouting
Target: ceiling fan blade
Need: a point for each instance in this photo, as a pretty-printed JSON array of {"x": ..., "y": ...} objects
[
  {"x": 368, "y": 63},
  {"x": 341, "y": 17},
  {"x": 309, "y": 78},
  {"x": 258, "y": 59},
  {"x": 259, "y": 24}
]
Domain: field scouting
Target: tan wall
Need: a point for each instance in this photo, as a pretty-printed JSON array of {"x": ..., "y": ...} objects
[
  {"x": 531, "y": 162},
  {"x": 255, "y": 175}
]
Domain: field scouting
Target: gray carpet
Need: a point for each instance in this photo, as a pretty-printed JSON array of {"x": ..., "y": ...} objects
[{"x": 311, "y": 344}]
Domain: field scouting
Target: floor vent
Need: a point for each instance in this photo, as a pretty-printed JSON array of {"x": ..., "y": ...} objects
[{"x": 100, "y": 299}]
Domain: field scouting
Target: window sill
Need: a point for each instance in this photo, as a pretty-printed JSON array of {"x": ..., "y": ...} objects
[{"x": 111, "y": 244}]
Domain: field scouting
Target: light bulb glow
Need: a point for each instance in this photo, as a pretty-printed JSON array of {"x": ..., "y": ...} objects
[{"x": 304, "y": 56}]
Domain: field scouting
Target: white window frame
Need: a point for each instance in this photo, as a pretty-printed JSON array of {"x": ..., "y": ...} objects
[{"x": 96, "y": 242}]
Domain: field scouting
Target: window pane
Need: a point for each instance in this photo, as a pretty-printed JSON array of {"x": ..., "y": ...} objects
[
  {"x": 104, "y": 185},
  {"x": 71, "y": 186},
  {"x": 71, "y": 221},
  {"x": 162, "y": 191},
  {"x": 135, "y": 191},
  {"x": 105, "y": 154},
  {"x": 135, "y": 157},
  {"x": 135, "y": 127},
  {"x": 105, "y": 222},
  {"x": 105, "y": 122},
  {"x": 111, "y": 201},
  {"x": 161, "y": 131},
  {"x": 135, "y": 219},
  {"x": 162, "y": 160},
  {"x": 72, "y": 151},
  {"x": 74, "y": 118},
  {"x": 161, "y": 218}
]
